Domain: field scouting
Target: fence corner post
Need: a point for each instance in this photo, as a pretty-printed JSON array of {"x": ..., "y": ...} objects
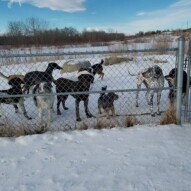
[{"x": 181, "y": 43}]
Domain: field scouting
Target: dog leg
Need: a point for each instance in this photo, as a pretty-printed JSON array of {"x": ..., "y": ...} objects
[
  {"x": 158, "y": 103},
  {"x": 16, "y": 108},
  {"x": 113, "y": 111},
  {"x": 64, "y": 102},
  {"x": 40, "y": 116},
  {"x": 88, "y": 114},
  {"x": 49, "y": 117},
  {"x": 21, "y": 105},
  {"x": 151, "y": 104},
  {"x": 137, "y": 95},
  {"x": 147, "y": 97},
  {"x": 99, "y": 109},
  {"x": 107, "y": 113},
  {"x": 101, "y": 76},
  {"x": 77, "y": 103},
  {"x": 58, "y": 105}
]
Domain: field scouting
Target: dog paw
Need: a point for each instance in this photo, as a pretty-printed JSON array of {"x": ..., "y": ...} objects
[
  {"x": 89, "y": 116},
  {"x": 78, "y": 119},
  {"x": 66, "y": 108}
]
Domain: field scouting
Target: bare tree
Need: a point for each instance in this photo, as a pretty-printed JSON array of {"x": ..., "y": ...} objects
[
  {"x": 34, "y": 25},
  {"x": 15, "y": 28}
]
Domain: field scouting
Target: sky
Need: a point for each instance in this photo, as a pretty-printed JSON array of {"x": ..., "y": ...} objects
[{"x": 126, "y": 16}]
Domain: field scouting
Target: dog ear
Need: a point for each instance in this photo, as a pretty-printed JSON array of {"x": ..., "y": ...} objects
[
  {"x": 158, "y": 71},
  {"x": 147, "y": 73},
  {"x": 104, "y": 88},
  {"x": 15, "y": 82}
]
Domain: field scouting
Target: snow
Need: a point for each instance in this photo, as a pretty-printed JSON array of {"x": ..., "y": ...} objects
[
  {"x": 140, "y": 158},
  {"x": 145, "y": 157}
]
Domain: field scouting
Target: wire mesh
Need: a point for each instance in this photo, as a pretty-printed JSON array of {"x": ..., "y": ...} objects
[{"x": 120, "y": 70}]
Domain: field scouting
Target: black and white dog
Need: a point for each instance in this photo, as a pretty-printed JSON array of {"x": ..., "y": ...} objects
[
  {"x": 43, "y": 101},
  {"x": 36, "y": 77},
  {"x": 172, "y": 79},
  {"x": 151, "y": 77},
  {"x": 15, "y": 90}
]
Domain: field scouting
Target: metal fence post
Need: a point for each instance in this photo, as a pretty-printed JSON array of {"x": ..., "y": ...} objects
[{"x": 181, "y": 43}]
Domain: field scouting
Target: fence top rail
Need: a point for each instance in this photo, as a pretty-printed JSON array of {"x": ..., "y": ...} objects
[{"x": 4, "y": 55}]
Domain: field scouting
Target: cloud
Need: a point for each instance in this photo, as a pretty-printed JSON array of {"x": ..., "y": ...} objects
[
  {"x": 174, "y": 16},
  {"x": 141, "y": 13},
  {"x": 61, "y": 5}
]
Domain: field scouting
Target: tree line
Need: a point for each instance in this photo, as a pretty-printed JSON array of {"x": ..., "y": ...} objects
[{"x": 34, "y": 31}]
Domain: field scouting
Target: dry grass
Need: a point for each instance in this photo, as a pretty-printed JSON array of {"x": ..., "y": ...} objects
[
  {"x": 130, "y": 121},
  {"x": 162, "y": 42},
  {"x": 169, "y": 117},
  {"x": 8, "y": 130},
  {"x": 160, "y": 61},
  {"x": 105, "y": 124},
  {"x": 115, "y": 59},
  {"x": 83, "y": 126}
]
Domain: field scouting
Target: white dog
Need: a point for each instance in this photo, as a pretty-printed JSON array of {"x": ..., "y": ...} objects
[{"x": 42, "y": 101}]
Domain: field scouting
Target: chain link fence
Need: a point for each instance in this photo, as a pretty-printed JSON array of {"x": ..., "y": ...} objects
[{"x": 120, "y": 70}]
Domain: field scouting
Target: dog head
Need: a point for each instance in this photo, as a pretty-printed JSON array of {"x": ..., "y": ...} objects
[
  {"x": 171, "y": 77},
  {"x": 98, "y": 68},
  {"x": 54, "y": 66},
  {"x": 15, "y": 82},
  {"x": 45, "y": 87},
  {"x": 154, "y": 71},
  {"x": 112, "y": 96}
]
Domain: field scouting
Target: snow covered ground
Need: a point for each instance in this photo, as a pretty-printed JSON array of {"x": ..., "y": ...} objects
[{"x": 140, "y": 158}]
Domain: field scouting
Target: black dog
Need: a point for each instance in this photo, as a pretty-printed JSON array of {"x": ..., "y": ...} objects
[
  {"x": 15, "y": 90},
  {"x": 36, "y": 77},
  {"x": 82, "y": 85},
  {"x": 106, "y": 102},
  {"x": 172, "y": 81}
]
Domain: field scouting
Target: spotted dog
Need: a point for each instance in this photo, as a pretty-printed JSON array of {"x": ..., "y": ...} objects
[{"x": 151, "y": 77}]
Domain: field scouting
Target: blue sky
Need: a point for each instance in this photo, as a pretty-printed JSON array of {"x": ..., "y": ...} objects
[{"x": 127, "y": 16}]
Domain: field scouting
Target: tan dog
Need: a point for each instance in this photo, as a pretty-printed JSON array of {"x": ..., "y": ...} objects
[{"x": 20, "y": 76}]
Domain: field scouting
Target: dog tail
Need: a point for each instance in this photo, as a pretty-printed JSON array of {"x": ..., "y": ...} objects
[
  {"x": 102, "y": 61},
  {"x": 34, "y": 92},
  {"x": 132, "y": 74},
  {"x": 3, "y": 76}
]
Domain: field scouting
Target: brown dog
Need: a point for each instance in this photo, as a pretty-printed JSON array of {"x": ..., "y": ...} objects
[
  {"x": 106, "y": 102},
  {"x": 20, "y": 76}
]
